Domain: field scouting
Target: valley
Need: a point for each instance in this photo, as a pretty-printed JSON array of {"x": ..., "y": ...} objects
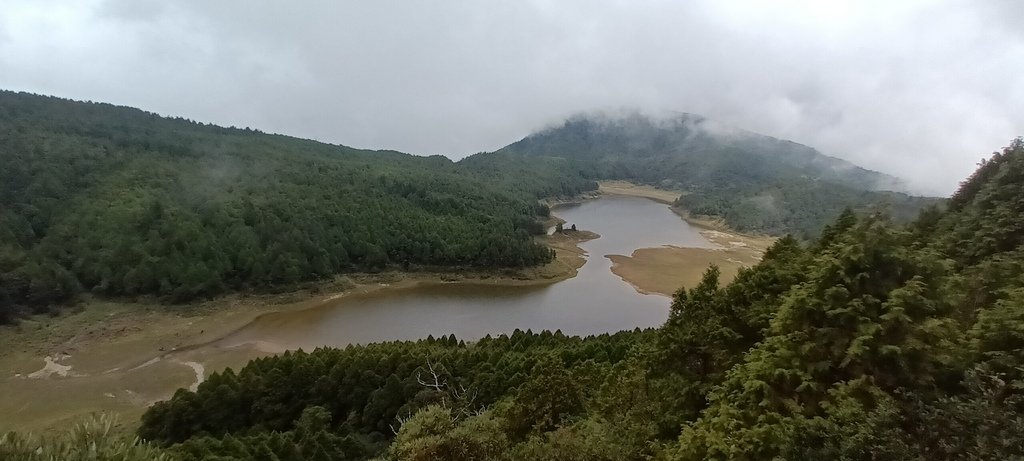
[
  {"x": 234, "y": 294},
  {"x": 121, "y": 357}
]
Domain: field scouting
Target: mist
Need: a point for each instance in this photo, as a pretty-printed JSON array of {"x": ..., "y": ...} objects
[{"x": 920, "y": 90}]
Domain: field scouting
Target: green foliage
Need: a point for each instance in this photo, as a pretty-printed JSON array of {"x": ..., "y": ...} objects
[
  {"x": 435, "y": 433},
  {"x": 497, "y": 434},
  {"x": 873, "y": 342},
  {"x": 753, "y": 182},
  {"x": 310, "y": 440},
  {"x": 546, "y": 400},
  {"x": 798, "y": 205},
  {"x": 997, "y": 340},
  {"x": 985, "y": 217},
  {"x": 93, "y": 439},
  {"x": 367, "y": 390},
  {"x": 588, "y": 440},
  {"x": 898, "y": 345},
  {"x": 710, "y": 327},
  {"x": 870, "y": 313},
  {"x": 121, "y": 202}
]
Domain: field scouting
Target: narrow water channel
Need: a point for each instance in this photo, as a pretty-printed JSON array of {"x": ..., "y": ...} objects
[{"x": 595, "y": 301}]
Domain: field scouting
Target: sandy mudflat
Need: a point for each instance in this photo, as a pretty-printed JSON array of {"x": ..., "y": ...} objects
[
  {"x": 636, "y": 190},
  {"x": 122, "y": 357},
  {"x": 664, "y": 270}
]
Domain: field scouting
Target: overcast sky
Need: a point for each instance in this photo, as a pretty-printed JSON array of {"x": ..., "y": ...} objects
[{"x": 917, "y": 89}]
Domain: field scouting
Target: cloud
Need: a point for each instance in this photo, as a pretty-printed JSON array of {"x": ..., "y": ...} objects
[{"x": 917, "y": 89}]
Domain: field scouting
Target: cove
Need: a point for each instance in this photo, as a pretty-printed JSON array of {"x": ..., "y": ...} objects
[{"x": 595, "y": 301}]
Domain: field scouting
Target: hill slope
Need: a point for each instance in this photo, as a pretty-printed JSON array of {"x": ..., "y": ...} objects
[
  {"x": 118, "y": 201},
  {"x": 754, "y": 182},
  {"x": 876, "y": 341}
]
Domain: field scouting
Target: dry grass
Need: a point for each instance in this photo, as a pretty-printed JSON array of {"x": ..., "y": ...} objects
[{"x": 636, "y": 190}]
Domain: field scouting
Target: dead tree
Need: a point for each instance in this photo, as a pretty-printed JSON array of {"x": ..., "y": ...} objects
[{"x": 457, "y": 399}]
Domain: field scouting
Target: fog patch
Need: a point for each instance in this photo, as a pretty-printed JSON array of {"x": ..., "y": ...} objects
[{"x": 915, "y": 89}]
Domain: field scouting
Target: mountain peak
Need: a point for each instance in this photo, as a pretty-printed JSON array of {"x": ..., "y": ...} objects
[
  {"x": 719, "y": 169},
  {"x": 625, "y": 134}
]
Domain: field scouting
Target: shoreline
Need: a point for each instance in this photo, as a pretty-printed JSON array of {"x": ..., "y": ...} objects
[
  {"x": 666, "y": 269},
  {"x": 121, "y": 357}
]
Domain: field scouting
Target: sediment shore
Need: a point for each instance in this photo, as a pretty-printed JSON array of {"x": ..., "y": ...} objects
[{"x": 121, "y": 357}]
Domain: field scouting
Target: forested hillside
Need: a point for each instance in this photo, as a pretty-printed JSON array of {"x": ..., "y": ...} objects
[
  {"x": 754, "y": 182},
  {"x": 876, "y": 341},
  {"x": 121, "y": 202}
]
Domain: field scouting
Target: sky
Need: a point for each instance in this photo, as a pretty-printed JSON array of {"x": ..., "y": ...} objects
[{"x": 921, "y": 90}]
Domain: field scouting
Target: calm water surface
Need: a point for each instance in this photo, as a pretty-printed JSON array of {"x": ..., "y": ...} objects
[{"x": 595, "y": 301}]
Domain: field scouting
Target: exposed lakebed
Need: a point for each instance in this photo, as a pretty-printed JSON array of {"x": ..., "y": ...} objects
[
  {"x": 595, "y": 301},
  {"x": 129, "y": 365}
]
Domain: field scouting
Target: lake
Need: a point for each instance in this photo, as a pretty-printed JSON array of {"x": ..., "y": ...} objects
[{"x": 595, "y": 301}]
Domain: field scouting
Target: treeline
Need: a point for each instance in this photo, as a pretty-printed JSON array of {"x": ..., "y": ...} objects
[
  {"x": 753, "y": 182},
  {"x": 797, "y": 206},
  {"x": 120, "y": 202},
  {"x": 875, "y": 341},
  {"x": 361, "y": 393}
]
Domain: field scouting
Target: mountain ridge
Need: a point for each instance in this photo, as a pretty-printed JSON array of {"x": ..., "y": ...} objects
[
  {"x": 694, "y": 125},
  {"x": 755, "y": 182}
]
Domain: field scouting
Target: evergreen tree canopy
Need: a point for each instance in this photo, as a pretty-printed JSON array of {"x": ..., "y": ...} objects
[
  {"x": 753, "y": 182},
  {"x": 876, "y": 341},
  {"x": 122, "y": 202}
]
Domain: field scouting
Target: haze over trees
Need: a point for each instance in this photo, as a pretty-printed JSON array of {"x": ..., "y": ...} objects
[
  {"x": 120, "y": 202},
  {"x": 875, "y": 341},
  {"x": 754, "y": 182}
]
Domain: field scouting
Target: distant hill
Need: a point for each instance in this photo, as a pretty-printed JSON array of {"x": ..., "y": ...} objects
[
  {"x": 121, "y": 202},
  {"x": 754, "y": 182}
]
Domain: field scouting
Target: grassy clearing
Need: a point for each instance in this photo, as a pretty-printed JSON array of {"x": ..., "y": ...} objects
[{"x": 627, "y": 188}]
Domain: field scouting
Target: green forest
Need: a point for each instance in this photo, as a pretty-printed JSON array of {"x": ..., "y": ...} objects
[
  {"x": 884, "y": 327},
  {"x": 753, "y": 182},
  {"x": 875, "y": 341},
  {"x": 119, "y": 202}
]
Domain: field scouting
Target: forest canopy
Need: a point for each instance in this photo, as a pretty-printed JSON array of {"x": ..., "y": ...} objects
[
  {"x": 753, "y": 182},
  {"x": 875, "y": 341},
  {"x": 120, "y": 202}
]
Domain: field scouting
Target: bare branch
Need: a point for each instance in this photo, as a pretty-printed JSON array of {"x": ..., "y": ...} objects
[
  {"x": 401, "y": 422},
  {"x": 462, "y": 400},
  {"x": 436, "y": 382}
]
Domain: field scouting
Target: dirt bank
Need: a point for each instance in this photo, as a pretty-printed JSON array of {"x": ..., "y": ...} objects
[
  {"x": 663, "y": 270},
  {"x": 668, "y": 196}
]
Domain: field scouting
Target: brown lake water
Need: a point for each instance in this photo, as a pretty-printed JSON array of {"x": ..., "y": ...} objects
[{"x": 595, "y": 301}]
